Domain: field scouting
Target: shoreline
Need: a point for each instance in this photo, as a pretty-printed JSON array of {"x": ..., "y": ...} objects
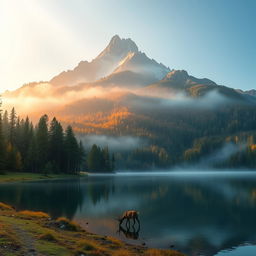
[
  {"x": 13, "y": 177},
  {"x": 36, "y": 233}
]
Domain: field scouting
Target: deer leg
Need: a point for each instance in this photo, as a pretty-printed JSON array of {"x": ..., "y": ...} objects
[
  {"x": 121, "y": 221},
  {"x": 138, "y": 220},
  {"x": 133, "y": 222},
  {"x": 128, "y": 221}
]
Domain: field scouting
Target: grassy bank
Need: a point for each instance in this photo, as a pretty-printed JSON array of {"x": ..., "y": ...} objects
[
  {"x": 35, "y": 233},
  {"x": 26, "y": 176}
]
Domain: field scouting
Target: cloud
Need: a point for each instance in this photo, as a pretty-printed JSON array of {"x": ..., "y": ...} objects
[
  {"x": 115, "y": 143},
  {"x": 36, "y": 99},
  {"x": 46, "y": 98},
  {"x": 222, "y": 154},
  {"x": 212, "y": 99}
]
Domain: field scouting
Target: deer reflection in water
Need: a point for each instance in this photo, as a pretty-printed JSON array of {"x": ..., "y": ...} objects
[{"x": 128, "y": 232}]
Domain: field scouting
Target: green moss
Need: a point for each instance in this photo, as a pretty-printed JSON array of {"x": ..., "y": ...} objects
[{"x": 49, "y": 248}]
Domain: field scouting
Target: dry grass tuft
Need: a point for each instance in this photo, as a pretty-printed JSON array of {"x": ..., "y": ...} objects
[
  {"x": 159, "y": 252},
  {"x": 66, "y": 224},
  {"x": 87, "y": 245},
  {"x": 91, "y": 248},
  {"x": 48, "y": 237},
  {"x": 34, "y": 214},
  {"x": 4, "y": 206},
  {"x": 122, "y": 252},
  {"x": 115, "y": 241}
]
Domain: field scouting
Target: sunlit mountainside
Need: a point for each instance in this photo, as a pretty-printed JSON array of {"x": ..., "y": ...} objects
[{"x": 148, "y": 114}]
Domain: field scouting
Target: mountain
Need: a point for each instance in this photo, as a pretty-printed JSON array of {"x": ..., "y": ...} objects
[
  {"x": 169, "y": 116},
  {"x": 120, "y": 55},
  {"x": 251, "y": 92},
  {"x": 180, "y": 82}
]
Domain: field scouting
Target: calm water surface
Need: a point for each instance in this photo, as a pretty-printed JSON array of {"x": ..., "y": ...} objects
[{"x": 197, "y": 213}]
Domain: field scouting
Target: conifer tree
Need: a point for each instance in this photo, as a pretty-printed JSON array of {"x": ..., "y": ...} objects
[
  {"x": 82, "y": 157},
  {"x": 72, "y": 154},
  {"x": 5, "y": 124},
  {"x": 26, "y": 134},
  {"x": 94, "y": 159},
  {"x": 12, "y": 126},
  {"x": 56, "y": 145},
  {"x": 2, "y": 143},
  {"x": 113, "y": 163},
  {"x": 32, "y": 160},
  {"x": 106, "y": 161},
  {"x": 42, "y": 139}
]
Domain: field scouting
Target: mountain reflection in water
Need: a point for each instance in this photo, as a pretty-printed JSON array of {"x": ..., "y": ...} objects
[{"x": 197, "y": 213}]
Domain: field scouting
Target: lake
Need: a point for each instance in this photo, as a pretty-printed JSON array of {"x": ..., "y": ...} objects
[{"x": 198, "y": 213}]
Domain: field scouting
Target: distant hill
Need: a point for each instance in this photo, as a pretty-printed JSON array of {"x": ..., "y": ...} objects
[{"x": 179, "y": 81}]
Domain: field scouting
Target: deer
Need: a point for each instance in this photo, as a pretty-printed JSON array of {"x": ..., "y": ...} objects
[{"x": 128, "y": 215}]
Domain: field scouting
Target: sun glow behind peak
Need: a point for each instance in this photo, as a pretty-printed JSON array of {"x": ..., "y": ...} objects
[{"x": 29, "y": 27}]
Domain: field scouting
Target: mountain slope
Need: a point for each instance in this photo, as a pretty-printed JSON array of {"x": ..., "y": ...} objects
[
  {"x": 180, "y": 82},
  {"x": 119, "y": 55},
  {"x": 140, "y": 63}
]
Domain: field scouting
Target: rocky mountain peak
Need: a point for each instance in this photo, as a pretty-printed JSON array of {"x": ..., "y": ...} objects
[{"x": 119, "y": 47}]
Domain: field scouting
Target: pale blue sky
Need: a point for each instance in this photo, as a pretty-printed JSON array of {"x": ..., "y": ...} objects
[{"x": 208, "y": 38}]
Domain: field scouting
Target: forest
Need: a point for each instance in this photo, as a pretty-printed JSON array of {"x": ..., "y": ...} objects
[
  {"x": 212, "y": 137},
  {"x": 223, "y": 137},
  {"x": 46, "y": 148}
]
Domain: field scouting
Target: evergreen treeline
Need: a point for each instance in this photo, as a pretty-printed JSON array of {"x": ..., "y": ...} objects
[
  {"x": 45, "y": 147},
  {"x": 99, "y": 160}
]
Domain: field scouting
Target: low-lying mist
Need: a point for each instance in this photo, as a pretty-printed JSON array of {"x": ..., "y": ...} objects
[
  {"x": 46, "y": 98},
  {"x": 117, "y": 143}
]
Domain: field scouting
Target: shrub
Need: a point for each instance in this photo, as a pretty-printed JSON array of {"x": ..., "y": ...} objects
[
  {"x": 35, "y": 214},
  {"x": 48, "y": 237},
  {"x": 4, "y": 206},
  {"x": 66, "y": 224}
]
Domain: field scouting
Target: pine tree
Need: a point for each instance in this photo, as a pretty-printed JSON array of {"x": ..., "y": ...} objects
[
  {"x": 72, "y": 154},
  {"x": 6, "y": 124},
  {"x": 82, "y": 156},
  {"x": 10, "y": 157},
  {"x": 17, "y": 133},
  {"x": 2, "y": 144},
  {"x": 32, "y": 160},
  {"x": 42, "y": 140},
  {"x": 94, "y": 159},
  {"x": 26, "y": 135},
  {"x": 12, "y": 126},
  {"x": 106, "y": 161},
  {"x": 18, "y": 161},
  {"x": 56, "y": 145},
  {"x": 113, "y": 163}
]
